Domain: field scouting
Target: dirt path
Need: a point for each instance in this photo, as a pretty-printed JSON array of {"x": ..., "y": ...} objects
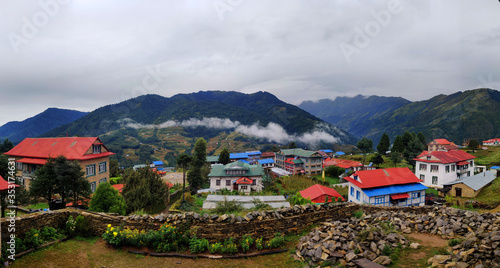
[{"x": 429, "y": 244}]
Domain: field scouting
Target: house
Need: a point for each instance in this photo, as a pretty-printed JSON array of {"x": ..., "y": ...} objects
[
  {"x": 296, "y": 160},
  {"x": 137, "y": 167},
  {"x": 213, "y": 160},
  {"x": 328, "y": 152},
  {"x": 253, "y": 156},
  {"x": 339, "y": 153},
  {"x": 441, "y": 145},
  {"x": 386, "y": 187},
  {"x": 238, "y": 156},
  {"x": 318, "y": 194},
  {"x": 271, "y": 155},
  {"x": 492, "y": 142},
  {"x": 266, "y": 163},
  {"x": 157, "y": 164},
  {"x": 470, "y": 186},
  {"x": 437, "y": 168},
  {"x": 238, "y": 176},
  {"x": 349, "y": 165},
  {"x": 89, "y": 152}
]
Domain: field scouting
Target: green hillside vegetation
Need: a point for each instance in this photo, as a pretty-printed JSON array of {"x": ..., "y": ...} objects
[
  {"x": 489, "y": 157},
  {"x": 471, "y": 114}
]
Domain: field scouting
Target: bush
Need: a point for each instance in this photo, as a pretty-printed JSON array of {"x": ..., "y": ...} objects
[
  {"x": 246, "y": 242},
  {"x": 32, "y": 239},
  {"x": 297, "y": 199},
  {"x": 359, "y": 214},
  {"x": 198, "y": 245},
  {"x": 48, "y": 234},
  {"x": 113, "y": 236},
  {"x": 259, "y": 205},
  {"x": 334, "y": 171},
  {"x": 107, "y": 199},
  {"x": 453, "y": 242},
  {"x": 229, "y": 246},
  {"x": 215, "y": 248},
  {"x": 259, "y": 245},
  {"x": 228, "y": 207},
  {"x": 81, "y": 226},
  {"x": 277, "y": 241},
  {"x": 70, "y": 226}
]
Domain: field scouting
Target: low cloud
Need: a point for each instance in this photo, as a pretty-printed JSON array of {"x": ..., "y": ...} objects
[{"x": 272, "y": 132}]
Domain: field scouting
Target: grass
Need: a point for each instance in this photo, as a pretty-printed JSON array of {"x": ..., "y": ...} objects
[
  {"x": 490, "y": 194},
  {"x": 330, "y": 180},
  {"x": 490, "y": 157},
  {"x": 38, "y": 206},
  {"x": 432, "y": 191}
]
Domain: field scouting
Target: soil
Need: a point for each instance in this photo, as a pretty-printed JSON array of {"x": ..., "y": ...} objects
[
  {"x": 173, "y": 177},
  {"x": 429, "y": 244},
  {"x": 428, "y": 240}
]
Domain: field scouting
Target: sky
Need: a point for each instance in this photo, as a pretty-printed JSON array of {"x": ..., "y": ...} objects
[{"x": 86, "y": 54}]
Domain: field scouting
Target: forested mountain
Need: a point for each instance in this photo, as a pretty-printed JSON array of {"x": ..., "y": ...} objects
[
  {"x": 472, "y": 114},
  {"x": 353, "y": 114},
  {"x": 231, "y": 119},
  {"x": 37, "y": 125}
]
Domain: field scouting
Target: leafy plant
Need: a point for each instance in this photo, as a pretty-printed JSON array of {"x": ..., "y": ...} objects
[
  {"x": 81, "y": 226},
  {"x": 229, "y": 246},
  {"x": 33, "y": 239},
  {"x": 277, "y": 241},
  {"x": 259, "y": 245},
  {"x": 215, "y": 248},
  {"x": 48, "y": 234},
  {"x": 359, "y": 214},
  {"x": 455, "y": 241},
  {"x": 70, "y": 226},
  {"x": 246, "y": 242},
  {"x": 198, "y": 245},
  {"x": 259, "y": 205},
  {"x": 228, "y": 207}
]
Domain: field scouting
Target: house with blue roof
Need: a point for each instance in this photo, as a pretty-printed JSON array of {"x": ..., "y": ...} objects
[
  {"x": 266, "y": 163},
  {"x": 386, "y": 187}
]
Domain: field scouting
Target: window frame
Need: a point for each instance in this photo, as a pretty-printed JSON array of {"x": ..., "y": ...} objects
[{"x": 87, "y": 170}]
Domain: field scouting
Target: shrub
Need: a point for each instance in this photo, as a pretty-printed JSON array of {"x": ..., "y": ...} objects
[
  {"x": 32, "y": 239},
  {"x": 453, "y": 242},
  {"x": 81, "y": 226},
  {"x": 259, "y": 245},
  {"x": 386, "y": 250},
  {"x": 359, "y": 214},
  {"x": 246, "y": 242},
  {"x": 49, "y": 234},
  {"x": 113, "y": 236},
  {"x": 70, "y": 226},
  {"x": 198, "y": 245},
  {"x": 107, "y": 199},
  {"x": 259, "y": 205},
  {"x": 228, "y": 207},
  {"x": 277, "y": 241},
  {"x": 297, "y": 199},
  {"x": 215, "y": 248},
  {"x": 229, "y": 246}
]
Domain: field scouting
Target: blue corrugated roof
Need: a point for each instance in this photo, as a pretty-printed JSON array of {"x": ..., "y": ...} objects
[
  {"x": 327, "y": 151},
  {"x": 495, "y": 167},
  {"x": 157, "y": 163},
  {"x": 340, "y": 153},
  {"x": 253, "y": 153},
  {"x": 266, "y": 161},
  {"x": 395, "y": 189},
  {"x": 238, "y": 155}
]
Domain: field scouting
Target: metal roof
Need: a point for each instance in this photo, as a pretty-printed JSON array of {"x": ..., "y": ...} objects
[
  {"x": 266, "y": 161},
  {"x": 477, "y": 181},
  {"x": 253, "y": 153},
  {"x": 158, "y": 163},
  {"x": 213, "y": 158},
  {"x": 396, "y": 189},
  {"x": 238, "y": 155},
  {"x": 327, "y": 151}
]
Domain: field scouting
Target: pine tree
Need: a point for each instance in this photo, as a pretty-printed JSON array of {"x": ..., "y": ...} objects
[
  {"x": 384, "y": 144},
  {"x": 195, "y": 176},
  {"x": 183, "y": 162},
  {"x": 224, "y": 157},
  {"x": 366, "y": 146},
  {"x": 398, "y": 145}
]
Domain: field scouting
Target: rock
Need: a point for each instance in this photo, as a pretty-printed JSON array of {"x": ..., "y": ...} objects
[
  {"x": 414, "y": 245},
  {"x": 373, "y": 247},
  {"x": 350, "y": 256},
  {"x": 318, "y": 253},
  {"x": 383, "y": 260},
  {"x": 441, "y": 259}
]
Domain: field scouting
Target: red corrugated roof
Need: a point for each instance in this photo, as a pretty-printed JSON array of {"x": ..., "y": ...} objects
[
  {"x": 317, "y": 190},
  {"x": 244, "y": 180},
  {"x": 343, "y": 163},
  {"x": 441, "y": 141},
  {"x": 74, "y": 148},
  {"x": 453, "y": 156},
  {"x": 462, "y": 163},
  {"x": 383, "y": 177},
  {"x": 4, "y": 185},
  {"x": 36, "y": 161},
  {"x": 268, "y": 154},
  {"x": 400, "y": 196}
]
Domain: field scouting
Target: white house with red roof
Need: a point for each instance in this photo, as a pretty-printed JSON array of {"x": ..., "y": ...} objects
[
  {"x": 441, "y": 145},
  {"x": 89, "y": 152},
  {"x": 441, "y": 167},
  {"x": 492, "y": 142},
  {"x": 386, "y": 187},
  {"x": 349, "y": 165}
]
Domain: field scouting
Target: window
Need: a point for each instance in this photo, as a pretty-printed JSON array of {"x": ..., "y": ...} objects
[
  {"x": 96, "y": 149},
  {"x": 358, "y": 195},
  {"x": 423, "y": 167},
  {"x": 244, "y": 187},
  {"x": 217, "y": 182},
  {"x": 102, "y": 180},
  {"x": 434, "y": 180},
  {"x": 92, "y": 186},
  {"x": 19, "y": 166},
  {"x": 434, "y": 168},
  {"x": 447, "y": 169},
  {"x": 453, "y": 168},
  {"x": 352, "y": 191},
  {"x": 379, "y": 199},
  {"x": 422, "y": 177},
  {"x": 228, "y": 182},
  {"x": 415, "y": 195},
  {"x": 90, "y": 170},
  {"x": 102, "y": 167}
]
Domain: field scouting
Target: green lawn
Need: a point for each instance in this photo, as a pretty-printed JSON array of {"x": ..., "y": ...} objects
[
  {"x": 38, "y": 206},
  {"x": 490, "y": 157}
]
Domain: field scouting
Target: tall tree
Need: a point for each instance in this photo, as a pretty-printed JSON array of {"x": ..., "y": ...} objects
[
  {"x": 396, "y": 158},
  {"x": 366, "y": 146},
  {"x": 114, "y": 168},
  {"x": 183, "y": 162},
  {"x": 422, "y": 139},
  {"x": 224, "y": 157},
  {"x": 107, "y": 199},
  {"x": 70, "y": 180},
  {"x": 5, "y": 146},
  {"x": 407, "y": 136},
  {"x": 473, "y": 145},
  {"x": 414, "y": 148},
  {"x": 144, "y": 189},
  {"x": 195, "y": 176},
  {"x": 292, "y": 145},
  {"x": 398, "y": 145},
  {"x": 44, "y": 182},
  {"x": 377, "y": 159},
  {"x": 384, "y": 144}
]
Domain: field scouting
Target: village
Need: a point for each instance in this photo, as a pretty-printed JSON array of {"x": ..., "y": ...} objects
[{"x": 241, "y": 183}]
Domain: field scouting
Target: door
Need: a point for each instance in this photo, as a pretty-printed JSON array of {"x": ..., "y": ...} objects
[{"x": 458, "y": 192}]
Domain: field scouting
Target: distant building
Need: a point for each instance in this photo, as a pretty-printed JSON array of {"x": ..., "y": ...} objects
[
  {"x": 266, "y": 163},
  {"x": 319, "y": 194},
  {"x": 213, "y": 160},
  {"x": 238, "y": 176},
  {"x": 437, "y": 168},
  {"x": 137, "y": 167},
  {"x": 89, "y": 152},
  {"x": 298, "y": 160},
  {"x": 441, "y": 145},
  {"x": 349, "y": 165},
  {"x": 492, "y": 142},
  {"x": 386, "y": 187}
]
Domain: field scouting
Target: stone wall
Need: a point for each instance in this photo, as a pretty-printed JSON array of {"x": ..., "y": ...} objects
[{"x": 211, "y": 227}]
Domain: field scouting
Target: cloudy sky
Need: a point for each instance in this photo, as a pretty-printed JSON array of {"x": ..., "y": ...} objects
[{"x": 86, "y": 54}]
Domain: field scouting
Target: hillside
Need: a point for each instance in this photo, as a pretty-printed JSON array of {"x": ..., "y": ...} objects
[
  {"x": 152, "y": 124},
  {"x": 463, "y": 115},
  {"x": 353, "y": 113},
  {"x": 37, "y": 125}
]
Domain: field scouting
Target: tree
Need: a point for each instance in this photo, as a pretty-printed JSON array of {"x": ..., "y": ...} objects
[
  {"x": 195, "y": 177},
  {"x": 183, "y": 162},
  {"x": 377, "y": 159},
  {"x": 144, "y": 189},
  {"x": 384, "y": 144},
  {"x": 6, "y": 146},
  {"x": 334, "y": 171},
  {"x": 4, "y": 166},
  {"x": 473, "y": 145},
  {"x": 421, "y": 137},
  {"x": 114, "y": 168},
  {"x": 60, "y": 176},
  {"x": 396, "y": 158},
  {"x": 224, "y": 157},
  {"x": 398, "y": 145},
  {"x": 414, "y": 148},
  {"x": 407, "y": 136},
  {"x": 292, "y": 145},
  {"x": 366, "y": 146},
  {"x": 107, "y": 199}
]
